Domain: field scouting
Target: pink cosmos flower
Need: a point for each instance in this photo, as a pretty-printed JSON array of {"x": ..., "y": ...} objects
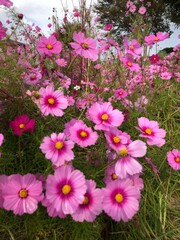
[
  {"x": 133, "y": 48},
  {"x": 22, "y": 193},
  {"x": 132, "y": 8},
  {"x": 151, "y": 131},
  {"x": 137, "y": 182},
  {"x": 154, "y": 58},
  {"x": 33, "y": 77},
  {"x": 104, "y": 116},
  {"x": 6, "y": 3},
  {"x": 110, "y": 174},
  {"x": 127, "y": 163},
  {"x": 61, "y": 62},
  {"x": 57, "y": 149},
  {"x": 173, "y": 158},
  {"x": 151, "y": 39},
  {"x": 120, "y": 93},
  {"x": 82, "y": 135},
  {"x": 121, "y": 200},
  {"x": 52, "y": 102},
  {"x": 129, "y": 63},
  {"x": 49, "y": 46},
  {"x": 142, "y": 10},
  {"x": 1, "y": 138},
  {"x": 3, "y": 180},
  {"x": 85, "y": 47},
  {"x": 69, "y": 124},
  {"x": 22, "y": 124},
  {"x": 108, "y": 27},
  {"x": 92, "y": 204},
  {"x": 116, "y": 138},
  {"x": 65, "y": 189},
  {"x": 51, "y": 210},
  {"x": 166, "y": 75},
  {"x": 2, "y": 31}
]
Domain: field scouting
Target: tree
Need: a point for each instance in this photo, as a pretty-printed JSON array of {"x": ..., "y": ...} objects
[{"x": 158, "y": 16}]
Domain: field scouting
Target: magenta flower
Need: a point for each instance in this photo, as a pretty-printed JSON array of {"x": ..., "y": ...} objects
[
  {"x": 6, "y": 3},
  {"x": 52, "y": 102},
  {"x": 92, "y": 204},
  {"x": 151, "y": 39},
  {"x": 173, "y": 158},
  {"x": 108, "y": 27},
  {"x": 151, "y": 131},
  {"x": 49, "y": 46},
  {"x": 121, "y": 200},
  {"x": 65, "y": 189},
  {"x": 1, "y": 138},
  {"x": 22, "y": 193},
  {"x": 104, "y": 116},
  {"x": 82, "y": 135},
  {"x": 2, "y": 31},
  {"x": 22, "y": 124},
  {"x": 120, "y": 93},
  {"x": 127, "y": 163},
  {"x": 85, "y": 47},
  {"x": 154, "y": 58},
  {"x": 57, "y": 149}
]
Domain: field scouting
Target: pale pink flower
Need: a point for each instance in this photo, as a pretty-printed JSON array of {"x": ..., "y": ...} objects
[
  {"x": 52, "y": 102},
  {"x": 142, "y": 10},
  {"x": 166, "y": 75},
  {"x": 120, "y": 200},
  {"x": 3, "y": 181},
  {"x": 151, "y": 39},
  {"x": 21, "y": 194},
  {"x": 85, "y": 47},
  {"x": 132, "y": 8},
  {"x": 150, "y": 130},
  {"x": 92, "y": 204},
  {"x": 173, "y": 158},
  {"x": 61, "y": 62},
  {"x": 65, "y": 189},
  {"x": 57, "y": 149},
  {"x": 6, "y": 3}
]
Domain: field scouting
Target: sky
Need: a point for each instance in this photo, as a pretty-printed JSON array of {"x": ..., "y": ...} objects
[{"x": 38, "y": 12}]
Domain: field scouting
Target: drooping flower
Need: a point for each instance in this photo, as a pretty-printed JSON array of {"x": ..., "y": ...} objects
[
  {"x": 127, "y": 163},
  {"x": 85, "y": 47},
  {"x": 173, "y": 158},
  {"x": 21, "y": 194},
  {"x": 121, "y": 200},
  {"x": 49, "y": 46},
  {"x": 82, "y": 134},
  {"x": 150, "y": 130},
  {"x": 65, "y": 189},
  {"x": 104, "y": 116},
  {"x": 22, "y": 124},
  {"x": 92, "y": 204},
  {"x": 52, "y": 102},
  {"x": 57, "y": 149}
]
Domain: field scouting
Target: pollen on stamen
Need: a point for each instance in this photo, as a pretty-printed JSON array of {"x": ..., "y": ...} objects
[
  {"x": 66, "y": 189},
  {"x": 23, "y": 193},
  {"x": 119, "y": 197},
  {"x": 49, "y": 46},
  {"x": 116, "y": 139},
  {"x": 129, "y": 64},
  {"x": 83, "y": 134},
  {"x": 51, "y": 101},
  {"x": 114, "y": 176},
  {"x": 86, "y": 200},
  {"x": 85, "y": 46},
  {"x": 148, "y": 131},
  {"x": 123, "y": 152},
  {"x": 21, "y": 125},
  {"x": 59, "y": 145},
  {"x": 104, "y": 117},
  {"x": 177, "y": 159}
]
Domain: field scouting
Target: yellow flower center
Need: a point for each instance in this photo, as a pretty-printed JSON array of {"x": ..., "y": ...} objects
[
  {"x": 120, "y": 92},
  {"x": 83, "y": 134},
  {"x": 123, "y": 152},
  {"x": 49, "y": 46},
  {"x": 23, "y": 193},
  {"x": 114, "y": 176},
  {"x": 129, "y": 64},
  {"x": 51, "y": 101},
  {"x": 116, "y": 139},
  {"x": 86, "y": 200},
  {"x": 131, "y": 47},
  {"x": 148, "y": 131},
  {"x": 177, "y": 159},
  {"x": 59, "y": 145},
  {"x": 66, "y": 189},
  {"x": 104, "y": 117},
  {"x": 119, "y": 198},
  {"x": 156, "y": 39},
  {"x": 21, "y": 125},
  {"x": 33, "y": 77},
  {"x": 85, "y": 45}
]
